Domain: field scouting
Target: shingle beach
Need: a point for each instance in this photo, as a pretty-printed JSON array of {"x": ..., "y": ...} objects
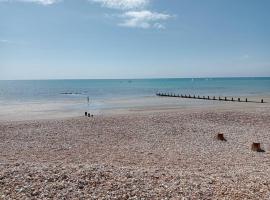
[{"x": 171, "y": 154}]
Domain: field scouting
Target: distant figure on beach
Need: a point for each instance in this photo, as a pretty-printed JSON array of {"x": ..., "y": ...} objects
[{"x": 88, "y": 100}]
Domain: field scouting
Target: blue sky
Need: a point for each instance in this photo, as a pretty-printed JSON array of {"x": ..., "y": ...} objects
[{"x": 56, "y": 39}]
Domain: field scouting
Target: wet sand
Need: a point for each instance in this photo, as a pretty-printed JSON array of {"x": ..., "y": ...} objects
[{"x": 158, "y": 153}]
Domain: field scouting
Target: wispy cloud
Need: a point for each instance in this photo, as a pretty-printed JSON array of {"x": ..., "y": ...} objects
[
  {"x": 144, "y": 19},
  {"x": 11, "y": 42},
  {"x": 133, "y": 13},
  {"x": 123, "y": 4},
  {"x": 244, "y": 57},
  {"x": 43, "y": 2},
  {"x": 4, "y": 41}
]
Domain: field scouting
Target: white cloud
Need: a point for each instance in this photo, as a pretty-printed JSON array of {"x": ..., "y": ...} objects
[
  {"x": 144, "y": 19},
  {"x": 43, "y": 2},
  {"x": 123, "y": 4},
  {"x": 134, "y": 13}
]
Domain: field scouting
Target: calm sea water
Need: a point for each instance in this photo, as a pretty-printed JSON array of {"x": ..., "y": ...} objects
[{"x": 22, "y": 91}]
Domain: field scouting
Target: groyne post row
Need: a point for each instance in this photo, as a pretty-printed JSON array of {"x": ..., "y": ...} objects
[{"x": 206, "y": 98}]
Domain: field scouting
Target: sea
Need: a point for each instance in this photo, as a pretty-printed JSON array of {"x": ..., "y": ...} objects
[
  {"x": 35, "y": 90},
  {"x": 25, "y": 92}
]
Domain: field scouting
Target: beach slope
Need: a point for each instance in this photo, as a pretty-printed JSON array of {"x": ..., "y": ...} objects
[{"x": 143, "y": 155}]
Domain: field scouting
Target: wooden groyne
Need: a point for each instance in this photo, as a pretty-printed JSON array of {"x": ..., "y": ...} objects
[{"x": 214, "y": 98}]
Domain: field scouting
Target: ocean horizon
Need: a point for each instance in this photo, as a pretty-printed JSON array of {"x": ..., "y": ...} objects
[{"x": 37, "y": 90}]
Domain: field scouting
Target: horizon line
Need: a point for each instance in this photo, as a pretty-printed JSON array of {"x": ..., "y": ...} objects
[{"x": 213, "y": 77}]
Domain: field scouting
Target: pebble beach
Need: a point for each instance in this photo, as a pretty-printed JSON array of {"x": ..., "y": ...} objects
[{"x": 154, "y": 154}]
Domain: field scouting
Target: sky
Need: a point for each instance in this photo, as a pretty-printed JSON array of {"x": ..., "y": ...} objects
[{"x": 84, "y": 39}]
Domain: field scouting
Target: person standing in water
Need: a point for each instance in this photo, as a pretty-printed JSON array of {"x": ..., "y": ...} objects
[{"x": 88, "y": 100}]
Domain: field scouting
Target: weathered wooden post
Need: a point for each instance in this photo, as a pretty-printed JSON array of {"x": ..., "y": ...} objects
[
  {"x": 262, "y": 101},
  {"x": 85, "y": 114},
  {"x": 239, "y": 99},
  {"x": 89, "y": 115},
  {"x": 246, "y": 100},
  {"x": 214, "y": 98},
  {"x": 208, "y": 97},
  {"x": 220, "y": 136},
  {"x": 257, "y": 147},
  {"x": 232, "y": 99},
  {"x": 225, "y": 98}
]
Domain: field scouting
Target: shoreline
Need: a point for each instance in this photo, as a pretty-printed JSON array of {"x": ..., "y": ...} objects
[{"x": 76, "y": 107}]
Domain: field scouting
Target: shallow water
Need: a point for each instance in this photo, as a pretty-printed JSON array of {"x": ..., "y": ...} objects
[{"x": 68, "y": 96}]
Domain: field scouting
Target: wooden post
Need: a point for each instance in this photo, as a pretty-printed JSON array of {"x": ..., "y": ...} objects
[
  {"x": 208, "y": 97},
  {"x": 239, "y": 100},
  {"x": 225, "y": 98},
  {"x": 257, "y": 147},
  {"x": 89, "y": 115},
  {"x": 232, "y": 99},
  {"x": 220, "y": 136},
  {"x": 85, "y": 114},
  {"x": 214, "y": 98},
  {"x": 262, "y": 101},
  {"x": 246, "y": 100}
]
